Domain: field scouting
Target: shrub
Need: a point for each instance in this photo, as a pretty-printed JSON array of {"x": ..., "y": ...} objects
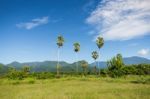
[
  {"x": 15, "y": 75},
  {"x": 31, "y": 81},
  {"x": 103, "y": 72},
  {"x": 44, "y": 75}
]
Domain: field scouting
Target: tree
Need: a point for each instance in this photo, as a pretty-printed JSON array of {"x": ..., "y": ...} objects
[
  {"x": 95, "y": 56},
  {"x": 60, "y": 42},
  {"x": 14, "y": 74},
  {"x": 115, "y": 66},
  {"x": 76, "y": 49},
  {"x": 84, "y": 66},
  {"x": 26, "y": 70},
  {"x": 100, "y": 43}
]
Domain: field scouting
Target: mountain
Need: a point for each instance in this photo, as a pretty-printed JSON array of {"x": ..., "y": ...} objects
[
  {"x": 127, "y": 61},
  {"x": 51, "y": 65},
  {"x": 38, "y": 66},
  {"x": 102, "y": 64},
  {"x": 136, "y": 60},
  {"x": 3, "y": 69}
]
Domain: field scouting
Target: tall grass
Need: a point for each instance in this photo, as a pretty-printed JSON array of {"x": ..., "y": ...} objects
[{"x": 75, "y": 88}]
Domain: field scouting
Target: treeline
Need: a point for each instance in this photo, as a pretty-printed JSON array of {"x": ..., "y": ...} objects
[
  {"x": 134, "y": 69},
  {"x": 115, "y": 68}
]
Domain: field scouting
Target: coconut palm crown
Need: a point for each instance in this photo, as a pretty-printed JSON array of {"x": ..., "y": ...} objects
[
  {"x": 76, "y": 47},
  {"x": 100, "y": 42},
  {"x": 95, "y": 55},
  {"x": 84, "y": 64},
  {"x": 60, "y": 41}
]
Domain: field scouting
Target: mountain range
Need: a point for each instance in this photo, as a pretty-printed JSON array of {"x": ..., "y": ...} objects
[{"x": 51, "y": 65}]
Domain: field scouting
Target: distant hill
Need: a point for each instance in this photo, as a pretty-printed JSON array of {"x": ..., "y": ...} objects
[
  {"x": 51, "y": 65},
  {"x": 136, "y": 60},
  {"x": 3, "y": 68},
  {"x": 38, "y": 66},
  {"x": 44, "y": 66},
  {"x": 128, "y": 61}
]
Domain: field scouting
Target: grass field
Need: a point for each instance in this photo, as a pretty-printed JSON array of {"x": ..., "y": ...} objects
[{"x": 76, "y": 88}]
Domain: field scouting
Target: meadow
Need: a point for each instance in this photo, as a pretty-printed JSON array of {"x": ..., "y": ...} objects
[{"x": 90, "y": 87}]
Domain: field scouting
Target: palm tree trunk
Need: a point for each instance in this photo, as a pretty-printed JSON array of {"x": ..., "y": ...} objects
[
  {"x": 76, "y": 63},
  {"x": 95, "y": 68},
  {"x": 98, "y": 63},
  {"x": 57, "y": 62}
]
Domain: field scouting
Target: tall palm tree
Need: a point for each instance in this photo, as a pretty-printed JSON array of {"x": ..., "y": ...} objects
[
  {"x": 100, "y": 43},
  {"x": 76, "y": 49},
  {"x": 95, "y": 56},
  {"x": 60, "y": 42}
]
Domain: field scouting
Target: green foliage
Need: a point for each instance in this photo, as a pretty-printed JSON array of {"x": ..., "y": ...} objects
[
  {"x": 115, "y": 66},
  {"x": 95, "y": 55},
  {"x": 128, "y": 70},
  {"x": 76, "y": 47},
  {"x": 60, "y": 41},
  {"x": 44, "y": 75},
  {"x": 84, "y": 65},
  {"x": 103, "y": 72},
  {"x": 115, "y": 73},
  {"x": 100, "y": 42},
  {"x": 137, "y": 69},
  {"x": 18, "y": 74},
  {"x": 116, "y": 63},
  {"x": 14, "y": 74},
  {"x": 3, "y": 69},
  {"x": 26, "y": 71}
]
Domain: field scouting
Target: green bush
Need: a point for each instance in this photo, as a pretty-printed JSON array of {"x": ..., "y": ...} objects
[
  {"x": 18, "y": 74},
  {"x": 44, "y": 75},
  {"x": 103, "y": 72},
  {"x": 31, "y": 81},
  {"x": 15, "y": 75}
]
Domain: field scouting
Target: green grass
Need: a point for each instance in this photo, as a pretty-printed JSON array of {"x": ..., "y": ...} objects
[{"x": 76, "y": 88}]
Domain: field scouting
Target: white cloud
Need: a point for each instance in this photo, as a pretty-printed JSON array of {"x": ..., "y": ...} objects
[
  {"x": 121, "y": 19},
  {"x": 34, "y": 23},
  {"x": 143, "y": 52}
]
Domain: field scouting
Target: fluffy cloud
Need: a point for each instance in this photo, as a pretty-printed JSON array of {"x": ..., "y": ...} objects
[
  {"x": 34, "y": 23},
  {"x": 121, "y": 19},
  {"x": 143, "y": 52}
]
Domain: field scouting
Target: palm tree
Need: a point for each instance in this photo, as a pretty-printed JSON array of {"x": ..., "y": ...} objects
[
  {"x": 84, "y": 66},
  {"x": 60, "y": 42},
  {"x": 76, "y": 49},
  {"x": 100, "y": 43},
  {"x": 26, "y": 71},
  {"x": 95, "y": 56}
]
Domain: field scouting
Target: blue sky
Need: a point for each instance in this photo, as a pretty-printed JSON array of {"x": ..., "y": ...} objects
[{"x": 29, "y": 28}]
